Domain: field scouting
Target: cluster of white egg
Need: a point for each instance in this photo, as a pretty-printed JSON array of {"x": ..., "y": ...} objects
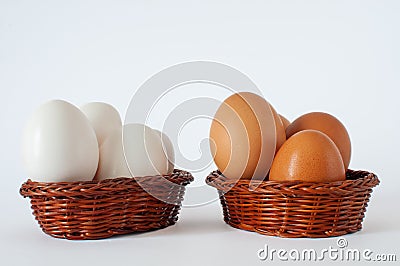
[{"x": 62, "y": 142}]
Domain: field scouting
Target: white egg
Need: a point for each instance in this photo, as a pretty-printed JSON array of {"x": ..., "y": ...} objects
[
  {"x": 112, "y": 161},
  {"x": 104, "y": 119},
  {"x": 59, "y": 144},
  {"x": 144, "y": 151},
  {"x": 168, "y": 150}
]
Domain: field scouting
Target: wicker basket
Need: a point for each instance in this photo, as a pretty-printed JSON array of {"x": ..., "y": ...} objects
[
  {"x": 101, "y": 209},
  {"x": 296, "y": 209}
]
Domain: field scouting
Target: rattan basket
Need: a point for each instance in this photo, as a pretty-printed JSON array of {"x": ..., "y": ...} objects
[
  {"x": 296, "y": 209},
  {"x": 101, "y": 209}
]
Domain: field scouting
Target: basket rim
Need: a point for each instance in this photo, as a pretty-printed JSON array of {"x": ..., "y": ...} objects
[
  {"x": 356, "y": 180},
  {"x": 108, "y": 186}
]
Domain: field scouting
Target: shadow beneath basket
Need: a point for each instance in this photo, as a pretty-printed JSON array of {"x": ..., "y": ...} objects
[
  {"x": 204, "y": 220},
  {"x": 185, "y": 228}
]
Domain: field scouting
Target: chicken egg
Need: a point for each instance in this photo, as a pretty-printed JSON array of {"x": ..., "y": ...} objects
[
  {"x": 59, "y": 144},
  {"x": 243, "y": 136}
]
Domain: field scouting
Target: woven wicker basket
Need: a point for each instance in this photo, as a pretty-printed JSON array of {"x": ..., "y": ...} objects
[
  {"x": 296, "y": 209},
  {"x": 101, "y": 209}
]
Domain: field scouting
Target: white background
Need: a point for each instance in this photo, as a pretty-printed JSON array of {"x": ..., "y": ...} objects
[{"x": 341, "y": 57}]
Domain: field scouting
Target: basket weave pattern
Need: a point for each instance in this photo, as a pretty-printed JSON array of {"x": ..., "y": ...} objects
[
  {"x": 101, "y": 209},
  {"x": 296, "y": 209}
]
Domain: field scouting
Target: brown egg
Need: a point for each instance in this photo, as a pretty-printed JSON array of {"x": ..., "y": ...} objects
[
  {"x": 285, "y": 121},
  {"x": 327, "y": 124},
  {"x": 280, "y": 130},
  {"x": 243, "y": 137},
  {"x": 308, "y": 155}
]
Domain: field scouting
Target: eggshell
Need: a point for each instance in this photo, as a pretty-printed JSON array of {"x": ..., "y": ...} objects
[
  {"x": 243, "y": 136},
  {"x": 308, "y": 155},
  {"x": 59, "y": 144},
  {"x": 285, "y": 121},
  {"x": 280, "y": 130},
  {"x": 112, "y": 163},
  {"x": 104, "y": 119},
  {"x": 327, "y": 124},
  {"x": 143, "y": 151},
  {"x": 168, "y": 149}
]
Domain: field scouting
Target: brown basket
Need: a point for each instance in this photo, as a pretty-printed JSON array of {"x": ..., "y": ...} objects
[
  {"x": 101, "y": 209},
  {"x": 296, "y": 209}
]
